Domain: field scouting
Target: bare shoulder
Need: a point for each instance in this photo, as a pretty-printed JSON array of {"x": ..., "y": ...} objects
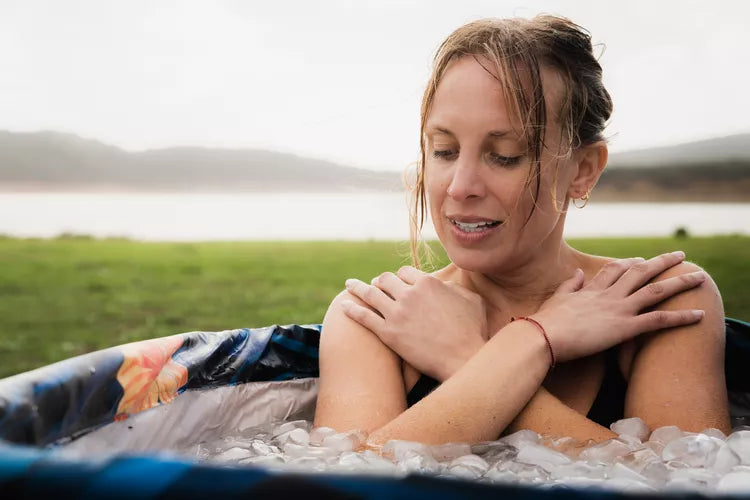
[
  {"x": 706, "y": 296},
  {"x": 361, "y": 386},
  {"x": 688, "y": 362}
]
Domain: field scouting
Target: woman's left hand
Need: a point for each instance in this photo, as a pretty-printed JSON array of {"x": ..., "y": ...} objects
[{"x": 435, "y": 326}]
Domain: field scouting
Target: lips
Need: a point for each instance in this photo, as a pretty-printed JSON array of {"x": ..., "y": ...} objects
[{"x": 473, "y": 224}]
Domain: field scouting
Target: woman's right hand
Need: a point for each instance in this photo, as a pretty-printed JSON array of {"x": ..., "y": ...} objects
[{"x": 583, "y": 320}]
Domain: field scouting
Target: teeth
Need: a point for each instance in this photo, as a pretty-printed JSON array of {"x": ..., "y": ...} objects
[{"x": 472, "y": 227}]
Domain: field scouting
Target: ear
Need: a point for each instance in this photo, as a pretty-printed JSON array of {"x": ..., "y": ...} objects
[{"x": 591, "y": 161}]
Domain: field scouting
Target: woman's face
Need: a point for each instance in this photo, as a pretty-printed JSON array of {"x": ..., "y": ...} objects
[{"x": 476, "y": 165}]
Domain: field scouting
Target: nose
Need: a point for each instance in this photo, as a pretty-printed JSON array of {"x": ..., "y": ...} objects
[{"x": 467, "y": 180}]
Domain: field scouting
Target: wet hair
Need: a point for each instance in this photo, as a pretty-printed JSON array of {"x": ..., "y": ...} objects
[{"x": 516, "y": 50}]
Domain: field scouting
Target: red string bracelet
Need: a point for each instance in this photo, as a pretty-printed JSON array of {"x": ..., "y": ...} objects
[{"x": 541, "y": 329}]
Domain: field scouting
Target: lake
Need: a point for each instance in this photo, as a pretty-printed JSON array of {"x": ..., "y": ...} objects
[{"x": 314, "y": 216}]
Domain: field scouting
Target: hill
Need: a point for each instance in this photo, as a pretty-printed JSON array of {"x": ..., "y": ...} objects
[
  {"x": 57, "y": 161},
  {"x": 709, "y": 170}
]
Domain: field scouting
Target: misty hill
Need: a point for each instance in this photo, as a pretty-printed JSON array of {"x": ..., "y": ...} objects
[
  {"x": 709, "y": 170},
  {"x": 57, "y": 161},
  {"x": 730, "y": 149}
]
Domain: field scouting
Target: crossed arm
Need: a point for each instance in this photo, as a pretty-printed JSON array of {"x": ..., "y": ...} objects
[{"x": 676, "y": 379}]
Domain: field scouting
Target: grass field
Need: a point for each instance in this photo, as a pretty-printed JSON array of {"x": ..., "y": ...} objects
[{"x": 64, "y": 297}]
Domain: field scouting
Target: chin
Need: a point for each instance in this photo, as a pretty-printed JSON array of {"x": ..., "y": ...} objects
[{"x": 474, "y": 260}]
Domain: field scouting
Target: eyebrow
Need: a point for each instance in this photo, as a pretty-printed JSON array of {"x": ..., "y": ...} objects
[{"x": 491, "y": 133}]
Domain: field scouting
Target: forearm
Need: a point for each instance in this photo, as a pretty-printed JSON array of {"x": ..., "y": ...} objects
[
  {"x": 482, "y": 397},
  {"x": 547, "y": 415}
]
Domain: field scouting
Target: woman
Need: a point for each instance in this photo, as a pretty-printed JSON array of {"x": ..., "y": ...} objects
[{"x": 511, "y": 129}]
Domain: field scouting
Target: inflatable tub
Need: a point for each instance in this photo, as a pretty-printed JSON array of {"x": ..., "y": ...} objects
[{"x": 173, "y": 392}]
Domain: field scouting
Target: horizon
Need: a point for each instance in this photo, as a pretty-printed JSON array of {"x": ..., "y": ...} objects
[
  {"x": 229, "y": 75},
  {"x": 308, "y": 157}
]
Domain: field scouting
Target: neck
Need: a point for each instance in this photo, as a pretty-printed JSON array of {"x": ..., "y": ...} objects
[{"x": 522, "y": 286}]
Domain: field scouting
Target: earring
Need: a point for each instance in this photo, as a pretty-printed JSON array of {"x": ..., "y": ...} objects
[{"x": 585, "y": 199}]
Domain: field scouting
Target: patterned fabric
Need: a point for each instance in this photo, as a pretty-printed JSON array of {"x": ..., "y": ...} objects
[{"x": 67, "y": 399}]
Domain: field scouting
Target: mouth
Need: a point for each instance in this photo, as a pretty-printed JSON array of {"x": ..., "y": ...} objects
[{"x": 475, "y": 227}]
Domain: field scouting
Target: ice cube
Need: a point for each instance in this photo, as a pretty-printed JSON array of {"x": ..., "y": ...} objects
[
  {"x": 577, "y": 470},
  {"x": 654, "y": 446},
  {"x": 318, "y": 434},
  {"x": 261, "y": 448},
  {"x": 666, "y": 434},
  {"x": 352, "y": 461},
  {"x": 682, "y": 485},
  {"x": 521, "y": 438},
  {"x": 715, "y": 433},
  {"x": 470, "y": 460},
  {"x": 397, "y": 449},
  {"x": 621, "y": 471},
  {"x": 413, "y": 461},
  {"x": 234, "y": 454},
  {"x": 468, "y": 466},
  {"x": 530, "y": 474},
  {"x": 605, "y": 451},
  {"x": 307, "y": 464},
  {"x": 495, "y": 451},
  {"x": 348, "y": 441},
  {"x": 320, "y": 451},
  {"x": 695, "y": 451},
  {"x": 501, "y": 476},
  {"x": 299, "y": 436},
  {"x": 627, "y": 485},
  {"x": 725, "y": 459},
  {"x": 449, "y": 451},
  {"x": 735, "y": 482},
  {"x": 271, "y": 461},
  {"x": 634, "y": 427},
  {"x": 656, "y": 472},
  {"x": 637, "y": 460},
  {"x": 581, "y": 482},
  {"x": 536, "y": 454},
  {"x": 290, "y": 426},
  {"x": 739, "y": 442},
  {"x": 294, "y": 450},
  {"x": 378, "y": 464},
  {"x": 699, "y": 477}
]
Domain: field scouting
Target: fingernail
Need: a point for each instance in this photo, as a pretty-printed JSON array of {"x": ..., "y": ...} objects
[
  {"x": 679, "y": 253},
  {"x": 701, "y": 275},
  {"x": 349, "y": 283},
  {"x": 698, "y": 313}
]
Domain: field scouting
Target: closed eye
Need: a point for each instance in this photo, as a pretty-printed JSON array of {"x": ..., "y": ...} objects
[
  {"x": 504, "y": 161},
  {"x": 443, "y": 154}
]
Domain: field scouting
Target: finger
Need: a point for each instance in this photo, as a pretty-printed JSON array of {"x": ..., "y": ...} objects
[
  {"x": 390, "y": 284},
  {"x": 658, "y": 320},
  {"x": 572, "y": 284},
  {"x": 409, "y": 274},
  {"x": 370, "y": 295},
  {"x": 653, "y": 293},
  {"x": 364, "y": 316},
  {"x": 611, "y": 272},
  {"x": 641, "y": 273}
]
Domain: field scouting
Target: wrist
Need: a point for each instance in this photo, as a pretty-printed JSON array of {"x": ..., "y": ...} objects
[
  {"x": 543, "y": 332},
  {"x": 532, "y": 338},
  {"x": 459, "y": 359}
]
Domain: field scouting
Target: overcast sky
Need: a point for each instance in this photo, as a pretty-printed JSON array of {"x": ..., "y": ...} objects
[{"x": 340, "y": 80}]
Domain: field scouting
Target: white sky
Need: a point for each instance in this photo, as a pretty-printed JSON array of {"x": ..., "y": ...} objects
[{"x": 340, "y": 80}]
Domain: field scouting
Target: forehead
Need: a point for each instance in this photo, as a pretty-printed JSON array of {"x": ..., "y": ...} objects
[{"x": 470, "y": 96}]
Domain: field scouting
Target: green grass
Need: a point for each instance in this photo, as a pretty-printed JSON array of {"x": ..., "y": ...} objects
[{"x": 64, "y": 297}]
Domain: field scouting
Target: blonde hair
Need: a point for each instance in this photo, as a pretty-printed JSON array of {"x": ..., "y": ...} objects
[{"x": 518, "y": 48}]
